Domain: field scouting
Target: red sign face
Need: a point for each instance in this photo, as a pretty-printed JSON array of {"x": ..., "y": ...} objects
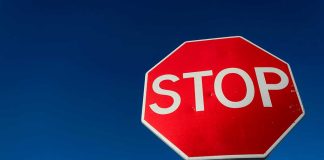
[{"x": 221, "y": 98}]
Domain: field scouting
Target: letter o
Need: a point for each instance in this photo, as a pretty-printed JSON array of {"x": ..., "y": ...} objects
[{"x": 219, "y": 91}]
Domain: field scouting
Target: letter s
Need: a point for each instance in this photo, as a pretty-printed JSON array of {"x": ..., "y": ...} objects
[{"x": 174, "y": 95}]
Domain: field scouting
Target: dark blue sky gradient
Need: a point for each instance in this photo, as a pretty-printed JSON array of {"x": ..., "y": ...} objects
[{"x": 72, "y": 72}]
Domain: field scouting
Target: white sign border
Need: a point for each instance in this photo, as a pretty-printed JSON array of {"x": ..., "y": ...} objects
[{"x": 182, "y": 154}]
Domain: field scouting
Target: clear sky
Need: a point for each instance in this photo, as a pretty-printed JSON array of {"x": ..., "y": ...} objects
[{"x": 72, "y": 72}]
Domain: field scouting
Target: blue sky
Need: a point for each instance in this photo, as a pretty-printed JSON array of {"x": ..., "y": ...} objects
[{"x": 72, "y": 72}]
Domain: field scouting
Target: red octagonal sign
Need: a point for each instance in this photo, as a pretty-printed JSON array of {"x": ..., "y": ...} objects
[{"x": 221, "y": 98}]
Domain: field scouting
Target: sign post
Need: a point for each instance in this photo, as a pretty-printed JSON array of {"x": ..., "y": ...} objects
[{"x": 222, "y": 98}]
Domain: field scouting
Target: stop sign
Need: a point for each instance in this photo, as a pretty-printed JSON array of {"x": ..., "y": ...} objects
[{"x": 221, "y": 98}]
